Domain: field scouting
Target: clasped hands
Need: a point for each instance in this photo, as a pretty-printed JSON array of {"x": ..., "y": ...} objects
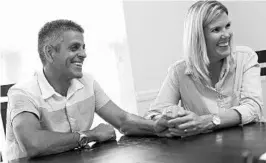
[{"x": 176, "y": 121}]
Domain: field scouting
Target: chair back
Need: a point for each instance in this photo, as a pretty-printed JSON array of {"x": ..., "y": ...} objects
[
  {"x": 4, "y": 100},
  {"x": 262, "y": 61}
]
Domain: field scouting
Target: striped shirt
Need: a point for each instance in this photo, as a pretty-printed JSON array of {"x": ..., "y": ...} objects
[{"x": 56, "y": 113}]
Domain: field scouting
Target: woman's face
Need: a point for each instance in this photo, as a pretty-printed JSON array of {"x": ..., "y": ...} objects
[{"x": 218, "y": 35}]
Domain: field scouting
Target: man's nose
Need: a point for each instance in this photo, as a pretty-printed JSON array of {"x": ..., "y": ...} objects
[{"x": 83, "y": 54}]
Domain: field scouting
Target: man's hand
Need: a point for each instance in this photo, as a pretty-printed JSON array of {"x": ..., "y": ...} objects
[
  {"x": 103, "y": 132},
  {"x": 161, "y": 124},
  {"x": 161, "y": 127}
]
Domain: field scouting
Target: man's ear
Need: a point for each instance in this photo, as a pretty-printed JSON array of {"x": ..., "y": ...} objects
[{"x": 49, "y": 53}]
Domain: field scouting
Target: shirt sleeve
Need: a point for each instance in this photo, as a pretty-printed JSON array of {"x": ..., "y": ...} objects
[
  {"x": 18, "y": 102},
  {"x": 100, "y": 97},
  {"x": 250, "y": 100},
  {"x": 168, "y": 95}
]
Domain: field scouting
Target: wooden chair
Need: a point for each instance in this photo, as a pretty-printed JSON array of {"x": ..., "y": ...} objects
[
  {"x": 262, "y": 61},
  {"x": 4, "y": 101}
]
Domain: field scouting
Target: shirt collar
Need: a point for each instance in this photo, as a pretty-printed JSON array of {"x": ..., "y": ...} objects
[
  {"x": 228, "y": 65},
  {"x": 47, "y": 90},
  {"x": 188, "y": 70},
  {"x": 76, "y": 85}
]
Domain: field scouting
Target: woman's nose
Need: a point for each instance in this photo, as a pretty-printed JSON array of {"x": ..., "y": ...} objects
[{"x": 226, "y": 33}]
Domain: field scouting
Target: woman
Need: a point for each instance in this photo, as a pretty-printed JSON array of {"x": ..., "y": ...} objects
[{"x": 218, "y": 85}]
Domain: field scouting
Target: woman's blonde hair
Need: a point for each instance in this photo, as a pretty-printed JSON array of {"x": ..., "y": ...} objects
[{"x": 199, "y": 16}]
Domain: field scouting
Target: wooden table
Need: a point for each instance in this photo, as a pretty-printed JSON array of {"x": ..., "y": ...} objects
[{"x": 225, "y": 146}]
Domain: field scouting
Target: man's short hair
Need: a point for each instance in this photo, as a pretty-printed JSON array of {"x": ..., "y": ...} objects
[{"x": 51, "y": 31}]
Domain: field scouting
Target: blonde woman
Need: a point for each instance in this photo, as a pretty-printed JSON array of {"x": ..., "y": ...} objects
[{"x": 218, "y": 85}]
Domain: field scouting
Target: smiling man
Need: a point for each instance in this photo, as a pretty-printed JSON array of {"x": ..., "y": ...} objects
[{"x": 53, "y": 111}]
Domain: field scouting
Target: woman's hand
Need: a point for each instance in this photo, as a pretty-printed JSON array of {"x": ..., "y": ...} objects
[
  {"x": 161, "y": 126},
  {"x": 189, "y": 124},
  {"x": 174, "y": 111}
]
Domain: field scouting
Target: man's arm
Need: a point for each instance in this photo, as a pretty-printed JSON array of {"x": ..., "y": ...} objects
[
  {"x": 129, "y": 124},
  {"x": 35, "y": 141}
]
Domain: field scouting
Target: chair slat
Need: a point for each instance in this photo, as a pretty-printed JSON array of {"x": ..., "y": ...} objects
[
  {"x": 261, "y": 56},
  {"x": 4, "y": 89}
]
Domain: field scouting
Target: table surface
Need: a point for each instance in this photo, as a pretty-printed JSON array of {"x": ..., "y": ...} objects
[{"x": 227, "y": 145}]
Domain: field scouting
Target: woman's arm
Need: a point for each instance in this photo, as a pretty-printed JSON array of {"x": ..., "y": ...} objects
[
  {"x": 248, "y": 110},
  {"x": 168, "y": 95},
  {"x": 251, "y": 103}
]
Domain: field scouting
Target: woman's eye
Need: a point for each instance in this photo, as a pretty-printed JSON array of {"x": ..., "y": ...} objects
[
  {"x": 228, "y": 25},
  {"x": 215, "y": 30}
]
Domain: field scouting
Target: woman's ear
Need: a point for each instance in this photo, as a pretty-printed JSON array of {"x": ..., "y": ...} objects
[{"x": 49, "y": 53}]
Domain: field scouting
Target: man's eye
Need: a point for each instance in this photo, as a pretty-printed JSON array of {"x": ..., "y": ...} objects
[{"x": 74, "y": 48}]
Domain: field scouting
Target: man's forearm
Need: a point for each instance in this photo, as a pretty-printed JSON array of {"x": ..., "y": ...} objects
[
  {"x": 135, "y": 125},
  {"x": 46, "y": 142}
]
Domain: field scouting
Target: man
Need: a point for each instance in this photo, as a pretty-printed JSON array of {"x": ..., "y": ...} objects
[{"x": 53, "y": 111}]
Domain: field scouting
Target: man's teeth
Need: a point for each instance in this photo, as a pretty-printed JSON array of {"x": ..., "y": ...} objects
[
  {"x": 224, "y": 44},
  {"x": 78, "y": 64}
]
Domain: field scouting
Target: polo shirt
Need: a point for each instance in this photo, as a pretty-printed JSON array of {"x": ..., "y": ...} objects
[{"x": 56, "y": 113}]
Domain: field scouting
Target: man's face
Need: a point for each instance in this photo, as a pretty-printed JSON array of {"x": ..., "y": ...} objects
[{"x": 69, "y": 59}]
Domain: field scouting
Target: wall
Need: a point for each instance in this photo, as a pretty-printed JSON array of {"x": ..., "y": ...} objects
[{"x": 155, "y": 32}]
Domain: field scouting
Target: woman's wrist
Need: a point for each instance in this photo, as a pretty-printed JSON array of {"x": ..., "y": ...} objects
[
  {"x": 156, "y": 117},
  {"x": 239, "y": 115},
  {"x": 207, "y": 121}
]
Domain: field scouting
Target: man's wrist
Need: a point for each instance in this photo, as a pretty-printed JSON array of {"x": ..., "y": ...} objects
[
  {"x": 76, "y": 138},
  {"x": 83, "y": 140},
  {"x": 92, "y": 135},
  {"x": 154, "y": 125}
]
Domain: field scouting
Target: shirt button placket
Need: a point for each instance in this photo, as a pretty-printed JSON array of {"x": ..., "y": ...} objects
[{"x": 219, "y": 98}]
